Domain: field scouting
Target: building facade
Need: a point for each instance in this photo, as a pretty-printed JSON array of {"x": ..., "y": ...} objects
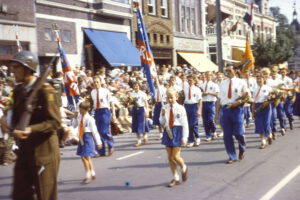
[
  {"x": 16, "y": 19},
  {"x": 157, "y": 16},
  {"x": 73, "y": 18}
]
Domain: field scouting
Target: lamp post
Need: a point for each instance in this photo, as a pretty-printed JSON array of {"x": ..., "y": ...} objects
[{"x": 219, "y": 35}]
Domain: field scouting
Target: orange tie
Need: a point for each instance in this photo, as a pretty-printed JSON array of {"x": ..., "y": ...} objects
[
  {"x": 171, "y": 118},
  {"x": 257, "y": 93},
  {"x": 229, "y": 90},
  {"x": 98, "y": 99},
  {"x": 206, "y": 86},
  {"x": 81, "y": 130},
  {"x": 190, "y": 95}
]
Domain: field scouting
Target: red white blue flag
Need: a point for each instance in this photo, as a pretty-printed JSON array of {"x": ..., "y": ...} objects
[
  {"x": 70, "y": 80},
  {"x": 248, "y": 18},
  {"x": 147, "y": 60}
]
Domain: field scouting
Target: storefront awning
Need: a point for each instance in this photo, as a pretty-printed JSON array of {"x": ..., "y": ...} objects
[
  {"x": 115, "y": 47},
  {"x": 238, "y": 53},
  {"x": 199, "y": 61}
]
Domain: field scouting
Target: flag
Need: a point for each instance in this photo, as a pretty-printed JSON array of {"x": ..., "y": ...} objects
[
  {"x": 248, "y": 55},
  {"x": 234, "y": 27},
  {"x": 248, "y": 18},
  {"x": 146, "y": 55},
  {"x": 19, "y": 46},
  {"x": 70, "y": 80}
]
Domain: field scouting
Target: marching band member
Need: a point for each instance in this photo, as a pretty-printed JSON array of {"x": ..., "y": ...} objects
[{"x": 296, "y": 110}]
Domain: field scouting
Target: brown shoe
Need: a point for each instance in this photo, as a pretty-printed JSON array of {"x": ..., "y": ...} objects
[
  {"x": 173, "y": 183},
  {"x": 184, "y": 175},
  {"x": 94, "y": 177},
  {"x": 230, "y": 161},
  {"x": 111, "y": 151},
  {"x": 87, "y": 180},
  {"x": 241, "y": 155},
  {"x": 273, "y": 136},
  {"x": 137, "y": 144},
  {"x": 270, "y": 140}
]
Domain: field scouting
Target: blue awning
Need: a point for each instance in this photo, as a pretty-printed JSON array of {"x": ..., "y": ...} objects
[{"x": 115, "y": 47}]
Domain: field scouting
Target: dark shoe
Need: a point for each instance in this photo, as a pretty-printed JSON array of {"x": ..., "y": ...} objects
[
  {"x": 230, "y": 161},
  {"x": 184, "y": 175},
  {"x": 94, "y": 177},
  {"x": 241, "y": 155},
  {"x": 270, "y": 140},
  {"x": 247, "y": 126},
  {"x": 87, "y": 180},
  {"x": 99, "y": 155},
  {"x": 111, "y": 151},
  {"x": 273, "y": 136},
  {"x": 291, "y": 126},
  {"x": 173, "y": 183}
]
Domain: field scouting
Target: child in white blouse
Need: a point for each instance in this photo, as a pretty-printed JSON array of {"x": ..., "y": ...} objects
[{"x": 173, "y": 118}]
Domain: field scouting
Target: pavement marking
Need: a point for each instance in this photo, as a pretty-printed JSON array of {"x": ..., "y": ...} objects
[
  {"x": 281, "y": 184},
  {"x": 130, "y": 155}
]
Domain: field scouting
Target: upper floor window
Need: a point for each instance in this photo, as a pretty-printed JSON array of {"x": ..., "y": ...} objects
[
  {"x": 164, "y": 8},
  {"x": 48, "y": 34},
  {"x": 152, "y": 7},
  {"x": 66, "y": 35},
  {"x": 122, "y": 1}
]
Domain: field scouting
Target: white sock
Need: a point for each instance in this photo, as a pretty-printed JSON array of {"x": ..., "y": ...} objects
[
  {"x": 176, "y": 177},
  {"x": 184, "y": 168},
  {"x": 93, "y": 173},
  {"x": 139, "y": 141},
  {"x": 88, "y": 174}
]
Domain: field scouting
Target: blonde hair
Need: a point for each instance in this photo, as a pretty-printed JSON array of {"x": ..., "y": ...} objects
[
  {"x": 171, "y": 91},
  {"x": 265, "y": 70}
]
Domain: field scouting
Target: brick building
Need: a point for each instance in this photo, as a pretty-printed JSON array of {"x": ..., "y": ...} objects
[{"x": 157, "y": 16}]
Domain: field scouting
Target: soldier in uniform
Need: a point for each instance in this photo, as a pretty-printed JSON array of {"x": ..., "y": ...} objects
[{"x": 36, "y": 169}]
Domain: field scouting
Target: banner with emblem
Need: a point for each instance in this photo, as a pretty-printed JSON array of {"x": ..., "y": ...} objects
[
  {"x": 147, "y": 60},
  {"x": 70, "y": 80}
]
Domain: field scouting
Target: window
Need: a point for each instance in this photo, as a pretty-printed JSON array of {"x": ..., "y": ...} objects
[
  {"x": 148, "y": 34},
  {"x": 164, "y": 8},
  {"x": 122, "y": 1},
  {"x": 151, "y": 7},
  {"x": 48, "y": 34},
  {"x": 161, "y": 38},
  {"x": 182, "y": 18},
  {"x": 155, "y": 37},
  {"x": 66, "y": 35},
  {"x": 187, "y": 16},
  {"x": 168, "y": 39}
]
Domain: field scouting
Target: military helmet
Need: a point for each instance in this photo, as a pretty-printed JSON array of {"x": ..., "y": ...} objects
[{"x": 27, "y": 59}]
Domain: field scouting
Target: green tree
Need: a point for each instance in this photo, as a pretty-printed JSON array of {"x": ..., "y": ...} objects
[{"x": 268, "y": 52}]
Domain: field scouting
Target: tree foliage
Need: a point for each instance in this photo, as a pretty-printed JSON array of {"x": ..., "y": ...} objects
[{"x": 268, "y": 52}]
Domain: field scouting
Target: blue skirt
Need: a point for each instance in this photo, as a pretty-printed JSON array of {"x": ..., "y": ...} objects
[
  {"x": 297, "y": 105},
  {"x": 177, "y": 137},
  {"x": 263, "y": 120},
  {"x": 156, "y": 114},
  {"x": 138, "y": 120},
  {"x": 88, "y": 147}
]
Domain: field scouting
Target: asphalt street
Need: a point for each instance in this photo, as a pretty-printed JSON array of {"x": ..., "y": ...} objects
[{"x": 141, "y": 173}]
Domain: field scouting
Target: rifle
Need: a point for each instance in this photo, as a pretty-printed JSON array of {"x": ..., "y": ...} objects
[{"x": 26, "y": 115}]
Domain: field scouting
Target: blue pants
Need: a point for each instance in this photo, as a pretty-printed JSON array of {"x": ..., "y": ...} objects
[
  {"x": 138, "y": 120},
  {"x": 281, "y": 115},
  {"x": 273, "y": 118},
  {"x": 191, "y": 111},
  {"x": 288, "y": 108},
  {"x": 102, "y": 118},
  {"x": 247, "y": 113},
  {"x": 263, "y": 120},
  {"x": 233, "y": 120},
  {"x": 156, "y": 115},
  {"x": 208, "y": 114}
]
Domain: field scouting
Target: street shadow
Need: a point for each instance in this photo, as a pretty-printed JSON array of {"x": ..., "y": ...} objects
[
  {"x": 214, "y": 162},
  {"x": 157, "y": 165},
  {"x": 112, "y": 188},
  {"x": 69, "y": 182},
  {"x": 70, "y": 158}
]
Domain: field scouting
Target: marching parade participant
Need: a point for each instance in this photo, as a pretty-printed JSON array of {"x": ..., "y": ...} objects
[
  {"x": 160, "y": 98},
  {"x": 288, "y": 104},
  {"x": 261, "y": 111},
  {"x": 193, "y": 107},
  {"x": 139, "y": 113},
  {"x": 233, "y": 113},
  {"x": 174, "y": 118},
  {"x": 104, "y": 110},
  {"x": 296, "y": 110},
  {"x": 88, "y": 137},
  {"x": 210, "y": 91},
  {"x": 36, "y": 168}
]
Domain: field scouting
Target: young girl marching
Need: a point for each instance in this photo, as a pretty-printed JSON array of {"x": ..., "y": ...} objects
[
  {"x": 88, "y": 137},
  {"x": 261, "y": 113},
  {"x": 173, "y": 118}
]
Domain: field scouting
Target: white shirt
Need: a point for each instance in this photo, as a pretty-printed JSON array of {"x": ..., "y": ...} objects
[
  {"x": 180, "y": 119},
  {"x": 238, "y": 88},
  {"x": 251, "y": 83},
  {"x": 160, "y": 95},
  {"x": 211, "y": 87},
  {"x": 176, "y": 88},
  {"x": 261, "y": 93},
  {"x": 288, "y": 82},
  {"x": 196, "y": 95},
  {"x": 274, "y": 83},
  {"x": 104, "y": 97},
  {"x": 89, "y": 125},
  {"x": 140, "y": 96}
]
